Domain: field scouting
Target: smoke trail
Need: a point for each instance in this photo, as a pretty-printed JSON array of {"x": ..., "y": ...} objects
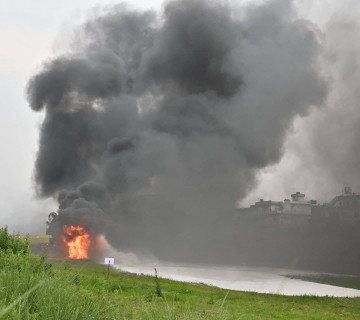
[{"x": 156, "y": 126}]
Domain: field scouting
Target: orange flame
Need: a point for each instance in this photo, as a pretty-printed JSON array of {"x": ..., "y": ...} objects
[{"x": 77, "y": 240}]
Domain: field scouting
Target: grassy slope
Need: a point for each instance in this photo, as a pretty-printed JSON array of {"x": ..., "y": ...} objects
[
  {"x": 127, "y": 296},
  {"x": 79, "y": 290}
]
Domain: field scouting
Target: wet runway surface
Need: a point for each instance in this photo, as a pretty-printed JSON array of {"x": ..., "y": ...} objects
[{"x": 261, "y": 280}]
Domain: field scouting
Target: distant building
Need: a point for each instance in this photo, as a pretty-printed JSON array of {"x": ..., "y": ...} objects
[
  {"x": 344, "y": 207},
  {"x": 296, "y": 210},
  {"x": 298, "y": 205},
  {"x": 266, "y": 207}
]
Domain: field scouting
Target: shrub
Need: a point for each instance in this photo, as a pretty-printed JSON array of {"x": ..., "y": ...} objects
[
  {"x": 14, "y": 244},
  {"x": 157, "y": 283}
]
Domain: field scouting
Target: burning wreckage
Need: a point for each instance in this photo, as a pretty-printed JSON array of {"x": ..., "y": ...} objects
[{"x": 77, "y": 241}]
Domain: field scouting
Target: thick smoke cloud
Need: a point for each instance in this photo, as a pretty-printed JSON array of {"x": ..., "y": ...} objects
[
  {"x": 333, "y": 133},
  {"x": 156, "y": 125},
  {"x": 321, "y": 156},
  {"x": 192, "y": 49}
]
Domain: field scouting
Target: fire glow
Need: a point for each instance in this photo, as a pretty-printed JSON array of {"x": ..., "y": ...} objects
[{"x": 77, "y": 240}]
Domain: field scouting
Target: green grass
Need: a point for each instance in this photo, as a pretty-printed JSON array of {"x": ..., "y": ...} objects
[
  {"x": 42, "y": 239},
  {"x": 33, "y": 288},
  {"x": 83, "y": 291}
]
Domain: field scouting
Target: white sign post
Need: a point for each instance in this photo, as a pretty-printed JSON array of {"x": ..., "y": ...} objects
[{"x": 109, "y": 261}]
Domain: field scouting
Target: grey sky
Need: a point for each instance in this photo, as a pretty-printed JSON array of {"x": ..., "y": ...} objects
[{"x": 32, "y": 31}]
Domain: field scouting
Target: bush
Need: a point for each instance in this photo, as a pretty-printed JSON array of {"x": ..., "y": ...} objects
[{"x": 15, "y": 244}]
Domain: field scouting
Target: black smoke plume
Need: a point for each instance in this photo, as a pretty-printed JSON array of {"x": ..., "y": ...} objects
[{"x": 156, "y": 125}]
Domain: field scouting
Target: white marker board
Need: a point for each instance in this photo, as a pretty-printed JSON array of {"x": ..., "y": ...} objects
[{"x": 109, "y": 260}]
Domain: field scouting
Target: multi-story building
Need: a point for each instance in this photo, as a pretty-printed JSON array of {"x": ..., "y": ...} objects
[
  {"x": 296, "y": 210},
  {"x": 343, "y": 207}
]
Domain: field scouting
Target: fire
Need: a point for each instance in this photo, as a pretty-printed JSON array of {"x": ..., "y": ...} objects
[{"x": 77, "y": 240}]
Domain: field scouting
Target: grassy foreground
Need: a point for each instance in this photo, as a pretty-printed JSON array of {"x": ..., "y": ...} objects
[{"x": 33, "y": 288}]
